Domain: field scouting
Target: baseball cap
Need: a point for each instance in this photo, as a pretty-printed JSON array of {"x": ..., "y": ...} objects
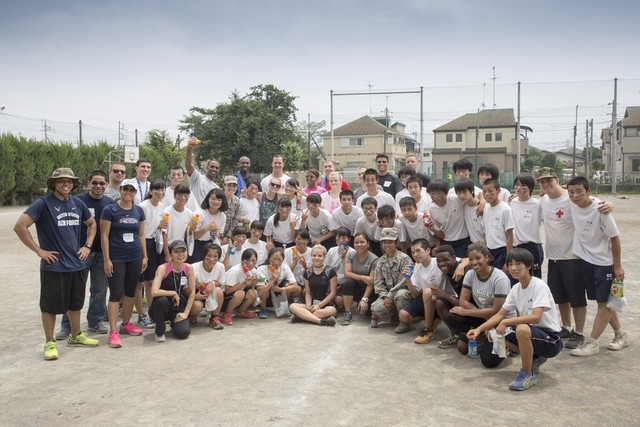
[
  {"x": 230, "y": 179},
  {"x": 546, "y": 172},
  {"x": 177, "y": 244},
  {"x": 389, "y": 234},
  {"x": 129, "y": 182}
]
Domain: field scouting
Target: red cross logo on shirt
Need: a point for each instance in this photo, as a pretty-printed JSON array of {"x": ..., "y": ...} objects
[{"x": 559, "y": 213}]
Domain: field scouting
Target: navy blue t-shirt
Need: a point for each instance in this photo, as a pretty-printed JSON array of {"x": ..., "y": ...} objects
[
  {"x": 95, "y": 207},
  {"x": 58, "y": 223},
  {"x": 124, "y": 239}
]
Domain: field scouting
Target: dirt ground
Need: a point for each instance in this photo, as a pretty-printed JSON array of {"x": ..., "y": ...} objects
[{"x": 272, "y": 372}]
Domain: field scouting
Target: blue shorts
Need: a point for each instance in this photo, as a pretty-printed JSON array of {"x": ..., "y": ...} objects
[
  {"x": 597, "y": 279},
  {"x": 460, "y": 247},
  {"x": 416, "y": 307},
  {"x": 565, "y": 281},
  {"x": 498, "y": 257},
  {"x": 546, "y": 343}
]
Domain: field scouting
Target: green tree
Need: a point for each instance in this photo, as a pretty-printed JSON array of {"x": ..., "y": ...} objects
[
  {"x": 310, "y": 135},
  {"x": 8, "y": 165},
  {"x": 163, "y": 151},
  {"x": 548, "y": 160},
  {"x": 254, "y": 125},
  {"x": 293, "y": 155}
]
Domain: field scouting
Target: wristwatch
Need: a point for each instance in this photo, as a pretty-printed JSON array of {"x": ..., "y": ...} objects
[
  {"x": 87, "y": 245},
  {"x": 365, "y": 299}
]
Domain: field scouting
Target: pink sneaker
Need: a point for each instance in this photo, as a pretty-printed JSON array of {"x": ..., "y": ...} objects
[
  {"x": 227, "y": 319},
  {"x": 248, "y": 315},
  {"x": 114, "y": 340},
  {"x": 130, "y": 329}
]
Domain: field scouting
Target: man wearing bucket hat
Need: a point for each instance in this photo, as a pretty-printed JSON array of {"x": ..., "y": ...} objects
[
  {"x": 58, "y": 217},
  {"x": 389, "y": 283}
]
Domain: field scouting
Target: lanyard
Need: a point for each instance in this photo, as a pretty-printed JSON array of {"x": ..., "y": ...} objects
[{"x": 146, "y": 187}]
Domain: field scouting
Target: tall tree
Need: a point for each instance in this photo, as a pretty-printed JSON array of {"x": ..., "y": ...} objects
[{"x": 254, "y": 125}]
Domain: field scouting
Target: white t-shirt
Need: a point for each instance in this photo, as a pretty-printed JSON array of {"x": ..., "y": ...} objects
[
  {"x": 416, "y": 230},
  {"x": 234, "y": 259},
  {"x": 285, "y": 273},
  {"x": 234, "y": 276},
  {"x": 497, "y": 285},
  {"x": 450, "y": 218},
  {"x": 341, "y": 219},
  {"x": 200, "y": 185},
  {"x": 178, "y": 222},
  {"x": 170, "y": 198},
  {"x": 205, "y": 218},
  {"x": 281, "y": 232},
  {"x": 318, "y": 226},
  {"x": 474, "y": 224},
  {"x": 142, "y": 188},
  {"x": 371, "y": 229},
  {"x": 260, "y": 248},
  {"x": 497, "y": 220},
  {"x": 264, "y": 184},
  {"x": 152, "y": 215},
  {"x": 217, "y": 273},
  {"x": 536, "y": 295},
  {"x": 422, "y": 204},
  {"x": 593, "y": 233},
  {"x": 527, "y": 217},
  {"x": 298, "y": 271},
  {"x": 425, "y": 277},
  {"x": 251, "y": 207},
  {"x": 334, "y": 260},
  {"x": 382, "y": 198},
  {"x": 558, "y": 226}
]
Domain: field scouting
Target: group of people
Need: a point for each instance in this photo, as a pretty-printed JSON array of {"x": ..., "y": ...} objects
[{"x": 399, "y": 249}]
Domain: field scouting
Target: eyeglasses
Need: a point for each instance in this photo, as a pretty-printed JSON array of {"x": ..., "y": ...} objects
[
  {"x": 276, "y": 185},
  {"x": 122, "y": 171},
  {"x": 381, "y": 161},
  {"x": 98, "y": 183}
]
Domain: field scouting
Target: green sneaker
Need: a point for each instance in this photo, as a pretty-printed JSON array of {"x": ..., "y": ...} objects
[
  {"x": 82, "y": 340},
  {"x": 50, "y": 351}
]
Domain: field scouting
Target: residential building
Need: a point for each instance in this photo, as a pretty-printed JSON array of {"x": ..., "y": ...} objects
[
  {"x": 488, "y": 136},
  {"x": 627, "y": 147}
]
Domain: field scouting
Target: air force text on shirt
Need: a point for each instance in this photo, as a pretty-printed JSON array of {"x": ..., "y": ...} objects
[{"x": 68, "y": 219}]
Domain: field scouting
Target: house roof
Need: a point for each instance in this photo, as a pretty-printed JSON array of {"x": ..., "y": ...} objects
[
  {"x": 631, "y": 117},
  {"x": 502, "y": 117},
  {"x": 365, "y": 125}
]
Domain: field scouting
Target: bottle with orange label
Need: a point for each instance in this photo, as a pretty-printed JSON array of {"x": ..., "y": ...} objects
[
  {"x": 164, "y": 222},
  {"x": 193, "y": 140},
  {"x": 194, "y": 222}
]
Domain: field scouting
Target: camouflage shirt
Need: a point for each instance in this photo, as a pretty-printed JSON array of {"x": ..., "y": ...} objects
[{"x": 389, "y": 277}]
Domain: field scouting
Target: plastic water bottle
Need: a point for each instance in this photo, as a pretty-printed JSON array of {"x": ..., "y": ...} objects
[
  {"x": 472, "y": 349},
  {"x": 164, "y": 222},
  {"x": 232, "y": 249},
  {"x": 343, "y": 248}
]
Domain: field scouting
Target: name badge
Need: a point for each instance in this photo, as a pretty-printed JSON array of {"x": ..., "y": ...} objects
[{"x": 127, "y": 237}]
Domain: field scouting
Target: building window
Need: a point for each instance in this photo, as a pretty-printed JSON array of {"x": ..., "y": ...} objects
[
  {"x": 458, "y": 137},
  {"x": 351, "y": 142},
  {"x": 449, "y": 137},
  {"x": 487, "y": 137},
  {"x": 498, "y": 136}
]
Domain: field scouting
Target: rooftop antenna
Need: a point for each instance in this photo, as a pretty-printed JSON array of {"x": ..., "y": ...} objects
[{"x": 494, "y": 87}]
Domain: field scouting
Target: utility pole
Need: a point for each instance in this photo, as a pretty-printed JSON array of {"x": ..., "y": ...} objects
[
  {"x": 614, "y": 132},
  {"x": 331, "y": 94},
  {"x": 121, "y": 130},
  {"x": 575, "y": 135},
  {"x": 494, "y": 87},
  {"x": 136, "y": 137},
  {"x": 46, "y": 130},
  {"x": 477, "y": 136},
  {"x": 80, "y": 132},
  {"x": 517, "y": 135},
  {"x": 308, "y": 141},
  {"x": 590, "y": 145}
]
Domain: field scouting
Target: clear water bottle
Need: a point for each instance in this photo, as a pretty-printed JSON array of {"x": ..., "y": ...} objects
[{"x": 472, "y": 349}]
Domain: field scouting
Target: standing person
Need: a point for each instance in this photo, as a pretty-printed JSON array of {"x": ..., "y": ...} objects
[
  {"x": 320, "y": 285},
  {"x": 117, "y": 173},
  {"x": 488, "y": 171},
  {"x": 96, "y": 202},
  {"x": 63, "y": 274},
  {"x": 537, "y": 327},
  {"x": 212, "y": 221},
  {"x": 199, "y": 183},
  {"x": 249, "y": 201},
  {"x": 389, "y": 283},
  {"x": 498, "y": 224},
  {"x": 368, "y": 224},
  {"x": 373, "y": 190},
  {"x": 180, "y": 219},
  {"x": 176, "y": 177},
  {"x": 311, "y": 178},
  {"x": 331, "y": 199},
  {"x": 243, "y": 174},
  {"x": 329, "y": 167},
  {"x": 152, "y": 207},
  {"x": 318, "y": 221},
  {"x": 125, "y": 258},
  {"x": 389, "y": 182},
  {"x": 597, "y": 243},
  {"x": 174, "y": 289},
  {"x": 235, "y": 214},
  {"x": 293, "y": 192},
  {"x": 362, "y": 188},
  {"x": 277, "y": 171},
  {"x": 412, "y": 161},
  {"x": 346, "y": 215},
  {"x": 447, "y": 213},
  {"x": 143, "y": 170},
  {"x": 527, "y": 218}
]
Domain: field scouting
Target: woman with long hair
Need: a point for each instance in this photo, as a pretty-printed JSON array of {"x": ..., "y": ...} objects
[
  {"x": 211, "y": 223},
  {"x": 281, "y": 227}
]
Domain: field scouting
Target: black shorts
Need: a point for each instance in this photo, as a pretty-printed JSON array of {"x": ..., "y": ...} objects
[
  {"x": 598, "y": 279},
  {"x": 546, "y": 343},
  {"x": 564, "y": 278},
  {"x": 62, "y": 291}
]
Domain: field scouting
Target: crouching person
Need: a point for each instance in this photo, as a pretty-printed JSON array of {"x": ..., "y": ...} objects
[
  {"x": 173, "y": 290},
  {"x": 537, "y": 328}
]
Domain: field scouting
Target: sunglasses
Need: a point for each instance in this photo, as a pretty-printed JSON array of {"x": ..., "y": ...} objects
[
  {"x": 98, "y": 183},
  {"x": 381, "y": 161},
  {"x": 118, "y": 171},
  {"x": 276, "y": 185}
]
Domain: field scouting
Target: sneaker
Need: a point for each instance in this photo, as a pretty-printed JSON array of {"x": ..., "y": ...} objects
[
  {"x": 620, "y": 341},
  {"x": 295, "y": 319},
  {"x": 144, "y": 321},
  {"x": 63, "y": 334},
  {"x": 328, "y": 321},
  {"x": 129, "y": 329},
  {"x": 565, "y": 333},
  {"x": 346, "y": 320},
  {"x": 402, "y": 328},
  {"x": 424, "y": 336},
  {"x": 248, "y": 315},
  {"x": 535, "y": 366},
  {"x": 216, "y": 323},
  {"x": 50, "y": 350},
  {"x": 575, "y": 340},
  {"x": 82, "y": 340},
  {"x": 589, "y": 347},
  {"x": 160, "y": 338},
  {"x": 227, "y": 319},
  {"x": 449, "y": 342},
  {"x": 523, "y": 381},
  {"x": 264, "y": 314},
  {"x": 193, "y": 321},
  {"x": 98, "y": 328},
  {"x": 114, "y": 339}
]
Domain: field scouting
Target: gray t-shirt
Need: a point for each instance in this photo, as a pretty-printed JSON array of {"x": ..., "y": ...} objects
[
  {"x": 358, "y": 267},
  {"x": 497, "y": 285}
]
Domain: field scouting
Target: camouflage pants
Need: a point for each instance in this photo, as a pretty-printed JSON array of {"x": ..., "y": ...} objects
[{"x": 400, "y": 299}]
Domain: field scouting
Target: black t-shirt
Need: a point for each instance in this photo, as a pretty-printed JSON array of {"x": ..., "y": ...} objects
[
  {"x": 390, "y": 184},
  {"x": 319, "y": 283}
]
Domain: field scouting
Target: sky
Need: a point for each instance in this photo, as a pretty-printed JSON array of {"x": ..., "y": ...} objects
[{"x": 145, "y": 63}]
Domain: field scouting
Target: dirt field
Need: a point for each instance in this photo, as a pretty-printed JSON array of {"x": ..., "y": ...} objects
[{"x": 270, "y": 372}]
